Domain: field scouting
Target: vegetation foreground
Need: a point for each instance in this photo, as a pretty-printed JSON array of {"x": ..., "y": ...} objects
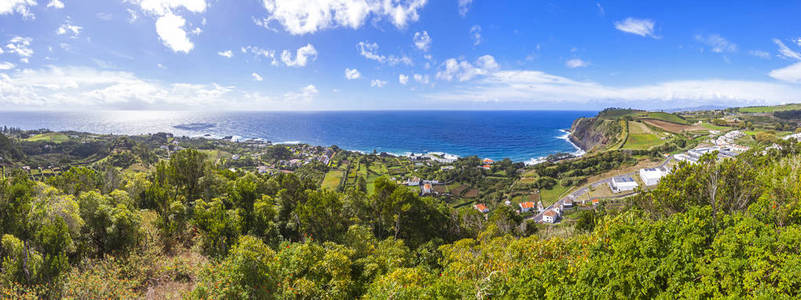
[{"x": 190, "y": 227}]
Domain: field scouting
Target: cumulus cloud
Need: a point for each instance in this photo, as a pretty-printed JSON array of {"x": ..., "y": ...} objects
[
  {"x": 302, "y": 17},
  {"x": 256, "y": 76},
  {"x": 305, "y": 95},
  {"x": 169, "y": 25},
  {"x": 68, "y": 28},
  {"x": 785, "y": 52},
  {"x": 55, "y": 4},
  {"x": 475, "y": 33},
  {"x": 542, "y": 88},
  {"x": 717, "y": 43},
  {"x": 21, "y": 7},
  {"x": 464, "y": 7},
  {"x": 170, "y": 30},
  {"x": 351, "y": 74},
  {"x": 463, "y": 70},
  {"x": 403, "y": 79},
  {"x": 641, "y": 27},
  {"x": 370, "y": 51},
  {"x": 6, "y": 66},
  {"x": 302, "y": 56},
  {"x": 576, "y": 63},
  {"x": 422, "y": 40},
  {"x": 87, "y": 88},
  {"x": 378, "y": 83},
  {"x": 259, "y": 52},
  {"x": 20, "y": 46},
  {"x": 226, "y": 53}
]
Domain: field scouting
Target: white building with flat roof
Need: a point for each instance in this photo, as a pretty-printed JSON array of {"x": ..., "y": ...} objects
[
  {"x": 651, "y": 176},
  {"x": 622, "y": 184}
]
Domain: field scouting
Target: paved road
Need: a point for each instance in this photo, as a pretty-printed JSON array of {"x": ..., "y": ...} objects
[{"x": 580, "y": 192}]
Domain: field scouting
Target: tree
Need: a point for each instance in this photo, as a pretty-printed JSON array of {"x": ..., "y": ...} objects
[{"x": 186, "y": 167}]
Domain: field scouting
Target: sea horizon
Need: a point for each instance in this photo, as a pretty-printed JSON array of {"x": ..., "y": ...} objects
[{"x": 520, "y": 135}]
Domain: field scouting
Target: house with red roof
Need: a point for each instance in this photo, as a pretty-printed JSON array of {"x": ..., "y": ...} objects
[
  {"x": 526, "y": 206},
  {"x": 481, "y": 207}
]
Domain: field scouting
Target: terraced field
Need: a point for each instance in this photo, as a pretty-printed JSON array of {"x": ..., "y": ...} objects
[{"x": 641, "y": 137}]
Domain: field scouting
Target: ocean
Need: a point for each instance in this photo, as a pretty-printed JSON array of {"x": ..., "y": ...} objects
[{"x": 523, "y": 136}]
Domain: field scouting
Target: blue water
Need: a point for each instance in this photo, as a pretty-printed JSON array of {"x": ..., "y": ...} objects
[{"x": 518, "y": 135}]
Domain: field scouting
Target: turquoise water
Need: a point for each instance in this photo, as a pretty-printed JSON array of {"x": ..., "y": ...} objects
[{"x": 518, "y": 135}]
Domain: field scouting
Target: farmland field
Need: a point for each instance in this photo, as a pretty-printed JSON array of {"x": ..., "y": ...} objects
[
  {"x": 53, "y": 137},
  {"x": 332, "y": 179}
]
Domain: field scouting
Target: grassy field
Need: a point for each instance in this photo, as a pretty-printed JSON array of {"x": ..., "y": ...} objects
[
  {"x": 332, "y": 179},
  {"x": 548, "y": 197},
  {"x": 769, "y": 109},
  {"x": 641, "y": 137},
  {"x": 53, "y": 137},
  {"x": 667, "y": 117},
  {"x": 642, "y": 141}
]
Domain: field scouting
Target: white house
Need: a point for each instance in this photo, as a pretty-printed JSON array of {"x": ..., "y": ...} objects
[
  {"x": 622, "y": 184},
  {"x": 549, "y": 216},
  {"x": 651, "y": 176},
  {"x": 526, "y": 206}
]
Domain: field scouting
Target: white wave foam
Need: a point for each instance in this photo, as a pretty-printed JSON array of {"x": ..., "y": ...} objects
[
  {"x": 566, "y": 137},
  {"x": 288, "y": 143}
]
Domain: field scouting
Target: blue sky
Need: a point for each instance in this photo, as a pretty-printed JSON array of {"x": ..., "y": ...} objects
[{"x": 391, "y": 54}]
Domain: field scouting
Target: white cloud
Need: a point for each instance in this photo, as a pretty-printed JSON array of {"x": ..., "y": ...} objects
[
  {"x": 226, "y": 53},
  {"x": 104, "y": 16},
  {"x": 302, "y": 56},
  {"x": 165, "y": 7},
  {"x": 132, "y": 15},
  {"x": 351, "y": 74},
  {"x": 55, "y": 4},
  {"x": 305, "y": 95},
  {"x": 370, "y": 51},
  {"x": 463, "y": 70},
  {"x": 87, "y": 88},
  {"x": 786, "y": 52},
  {"x": 256, "y": 76},
  {"x": 601, "y": 10},
  {"x": 641, "y": 27},
  {"x": 760, "y": 54},
  {"x": 20, "y": 46},
  {"x": 422, "y": 40},
  {"x": 464, "y": 7},
  {"x": 717, "y": 42},
  {"x": 576, "y": 63},
  {"x": 169, "y": 25},
  {"x": 791, "y": 73},
  {"x": 261, "y": 52},
  {"x": 6, "y": 65},
  {"x": 170, "y": 30},
  {"x": 421, "y": 79},
  {"x": 378, "y": 83},
  {"x": 69, "y": 28},
  {"x": 403, "y": 79},
  {"x": 542, "y": 88},
  {"x": 22, "y": 7},
  {"x": 302, "y": 17},
  {"x": 475, "y": 33}
]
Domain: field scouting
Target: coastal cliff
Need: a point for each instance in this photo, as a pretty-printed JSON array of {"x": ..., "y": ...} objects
[{"x": 595, "y": 133}]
